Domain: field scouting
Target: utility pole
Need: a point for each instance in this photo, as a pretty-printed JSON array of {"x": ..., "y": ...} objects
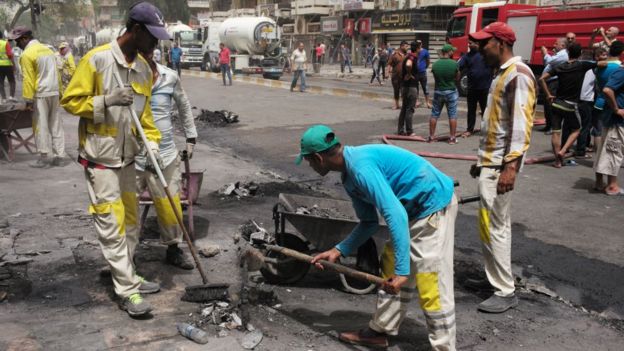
[{"x": 33, "y": 16}]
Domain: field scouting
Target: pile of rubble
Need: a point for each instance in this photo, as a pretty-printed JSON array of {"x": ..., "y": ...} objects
[
  {"x": 217, "y": 118},
  {"x": 317, "y": 211},
  {"x": 239, "y": 190}
]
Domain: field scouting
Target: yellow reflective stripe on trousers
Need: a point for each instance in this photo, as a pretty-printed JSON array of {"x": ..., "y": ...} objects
[
  {"x": 116, "y": 208},
  {"x": 387, "y": 261},
  {"x": 428, "y": 291},
  {"x": 130, "y": 205},
  {"x": 165, "y": 211},
  {"x": 484, "y": 225}
]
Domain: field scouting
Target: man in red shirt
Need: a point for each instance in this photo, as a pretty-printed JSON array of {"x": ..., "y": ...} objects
[
  {"x": 224, "y": 62},
  {"x": 319, "y": 53}
]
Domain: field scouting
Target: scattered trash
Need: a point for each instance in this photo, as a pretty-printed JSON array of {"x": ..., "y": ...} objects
[
  {"x": 222, "y": 333},
  {"x": 236, "y": 238},
  {"x": 271, "y": 174},
  {"x": 207, "y": 311},
  {"x": 193, "y": 333},
  {"x": 239, "y": 189},
  {"x": 217, "y": 118},
  {"x": 252, "y": 339},
  {"x": 209, "y": 250},
  {"x": 317, "y": 211}
]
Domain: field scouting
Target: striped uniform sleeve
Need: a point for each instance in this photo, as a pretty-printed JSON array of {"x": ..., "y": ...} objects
[
  {"x": 82, "y": 96},
  {"x": 521, "y": 97},
  {"x": 29, "y": 84}
]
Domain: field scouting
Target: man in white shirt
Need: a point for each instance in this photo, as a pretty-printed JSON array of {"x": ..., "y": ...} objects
[{"x": 298, "y": 61}]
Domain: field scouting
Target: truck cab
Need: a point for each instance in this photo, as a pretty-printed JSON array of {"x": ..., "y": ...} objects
[{"x": 191, "y": 44}]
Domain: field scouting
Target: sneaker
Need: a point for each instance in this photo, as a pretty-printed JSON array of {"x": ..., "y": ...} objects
[
  {"x": 58, "y": 162},
  {"x": 42, "y": 162},
  {"x": 148, "y": 287},
  {"x": 135, "y": 305},
  {"x": 498, "y": 304},
  {"x": 365, "y": 337},
  {"x": 176, "y": 257},
  {"x": 452, "y": 141}
]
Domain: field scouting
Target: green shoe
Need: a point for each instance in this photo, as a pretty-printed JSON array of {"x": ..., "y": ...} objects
[
  {"x": 135, "y": 305},
  {"x": 148, "y": 287}
]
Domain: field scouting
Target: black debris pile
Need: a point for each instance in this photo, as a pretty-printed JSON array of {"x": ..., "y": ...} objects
[
  {"x": 239, "y": 190},
  {"x": 220, "y": 118}
]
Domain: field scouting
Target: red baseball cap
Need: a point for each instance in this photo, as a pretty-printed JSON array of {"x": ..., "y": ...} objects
[{"x": 498, "y": 30}]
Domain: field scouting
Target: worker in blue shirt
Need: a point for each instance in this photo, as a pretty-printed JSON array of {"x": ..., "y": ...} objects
[{"x": 418, "y": 204}]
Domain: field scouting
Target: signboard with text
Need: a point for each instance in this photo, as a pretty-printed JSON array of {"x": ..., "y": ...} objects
[
  {"x": 349, "y": 26},
  {"x": 364, "y": 25},
  {"x": 331, "y": 24},
  {"x": 352, "y": 4},
  {"x": 396, "y": 20}
]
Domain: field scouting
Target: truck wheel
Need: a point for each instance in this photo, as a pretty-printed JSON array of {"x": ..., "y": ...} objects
[
  {"x": 203, "y": 65},
  {"x": 287, "y": 270},
  {"x": 463, "y": 85}
]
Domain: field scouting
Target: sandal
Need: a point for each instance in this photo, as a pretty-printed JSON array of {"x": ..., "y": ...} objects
[
  {"x": 452, "y": 141},
  {"x": 430, "y": 139},
  {"x": 617, "y": 193}
]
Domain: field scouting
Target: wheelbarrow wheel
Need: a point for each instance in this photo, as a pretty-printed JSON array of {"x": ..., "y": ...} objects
[
  {"x": 367, "y": 261},
  {"x": 287, "y": 270}
]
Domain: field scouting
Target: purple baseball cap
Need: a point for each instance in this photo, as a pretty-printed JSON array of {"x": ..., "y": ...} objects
[
  {"x": 150, "y": 16},
  {"x": 18, "y": 32}
]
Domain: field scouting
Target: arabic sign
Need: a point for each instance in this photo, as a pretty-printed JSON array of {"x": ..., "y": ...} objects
[
  {"x": 364, "y": 25},
  {"x": 396, "y": 20},
  {"x": 288, "y": 29},
  {"x": 331, "y": 24},
  {"x": 349, "y": 25},
  {"x": 314, "y": 28}
]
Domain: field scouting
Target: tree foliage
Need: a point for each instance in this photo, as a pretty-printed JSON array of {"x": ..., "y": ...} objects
[{"x": 173, "y": 10}]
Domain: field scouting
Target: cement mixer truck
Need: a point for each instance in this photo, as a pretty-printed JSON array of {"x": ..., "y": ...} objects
[
  {"x": 106, "y": 35},
  {"x": 254, "y": 42}
]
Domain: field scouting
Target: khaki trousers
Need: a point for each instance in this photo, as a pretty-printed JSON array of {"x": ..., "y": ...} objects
[
  {"x": 431, "y": 253},
  {"x": 610, "y": 155},
  {"x": 170, "y": 232},
  {"x": 114, "y": 207},
  {"x": 495, "y": 232},
  {"x": 48, "y": 126}
]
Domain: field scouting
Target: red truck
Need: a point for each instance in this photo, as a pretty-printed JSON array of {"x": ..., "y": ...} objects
[{"x": 534, "y": 26}]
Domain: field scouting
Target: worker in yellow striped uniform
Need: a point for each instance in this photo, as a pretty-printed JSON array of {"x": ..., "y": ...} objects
[
  {"x": 40, "y": 89},
  {"x": 65, "y": 64},
  {"x": 109, "y": 142},
  {"x": 7, "y": 69},
  {"x": 505, "y": 139}
]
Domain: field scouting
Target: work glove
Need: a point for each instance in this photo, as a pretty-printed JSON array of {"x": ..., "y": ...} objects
[
  {"x": 119, "y": 97},
  {"x": 148, "y": 161}
]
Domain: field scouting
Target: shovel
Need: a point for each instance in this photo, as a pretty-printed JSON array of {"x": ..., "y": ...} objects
[{"x": 196, "y": 293}]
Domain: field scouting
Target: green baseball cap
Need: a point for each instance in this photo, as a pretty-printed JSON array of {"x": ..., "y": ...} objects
[
  {"x": 317, "y": 138},
  {"x": 448, "y": 47}
]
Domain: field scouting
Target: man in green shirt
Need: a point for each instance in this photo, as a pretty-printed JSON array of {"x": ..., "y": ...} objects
[{"x": 446, "y": 73}]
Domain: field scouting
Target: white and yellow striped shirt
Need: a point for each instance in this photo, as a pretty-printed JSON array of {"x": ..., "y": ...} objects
[{"x": 508, "y": 118}]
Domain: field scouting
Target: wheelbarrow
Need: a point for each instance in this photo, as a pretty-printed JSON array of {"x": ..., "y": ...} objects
[
  {"x": 12, "y": 118},
  {"x": 318, "y": 231}
]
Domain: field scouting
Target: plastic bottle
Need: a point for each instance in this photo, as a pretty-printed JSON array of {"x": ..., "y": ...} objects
[{"x": 193, "y": 333}]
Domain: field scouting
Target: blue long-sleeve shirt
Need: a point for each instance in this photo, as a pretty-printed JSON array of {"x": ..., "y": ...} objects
[
  {"x": 400, "y": 185},
  {"x": 552, "y": 61},
  {"x": 479, "y": 74}
]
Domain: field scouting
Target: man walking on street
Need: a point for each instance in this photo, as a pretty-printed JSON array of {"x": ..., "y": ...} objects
[
  {"x": 65, "y": 64},
  {"x": 565, "y": 103},
  {"x": 409, "y": 91},
  {"x": 175, "y": 57},
  {"x": 423, "y": 64},
  {"x": 40, "y": 89},
  {"x": 395, "y": 66},
  {"x": 479, "y": 79},
  {"x": 7, "y": 69},
  {"x": 224, "y": 63},
  {"x": 345, "y": 58},
  {"x": 504, "y": 142},
  {"x": 417, "y": 202},
  {"x": 446, "y": 74},
  {"x": 298, "y": 61},
  {"x": 167, "y": 90},
  {"x": 109, "y": 143}
]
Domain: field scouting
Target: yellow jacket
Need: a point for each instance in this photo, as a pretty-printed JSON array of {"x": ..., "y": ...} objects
[
  {"x": 106, "y": 134},
  {"x": 41, "y": 77},
  {"x": 66, "y": 66}
]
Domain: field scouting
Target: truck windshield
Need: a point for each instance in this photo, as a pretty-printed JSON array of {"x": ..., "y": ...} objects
[
  {"x": 189, "y": 37},
  {"x": 456, "y": 27}
]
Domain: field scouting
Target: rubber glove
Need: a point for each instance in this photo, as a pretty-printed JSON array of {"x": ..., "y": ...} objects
[{"x": 119, "y": 97}]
